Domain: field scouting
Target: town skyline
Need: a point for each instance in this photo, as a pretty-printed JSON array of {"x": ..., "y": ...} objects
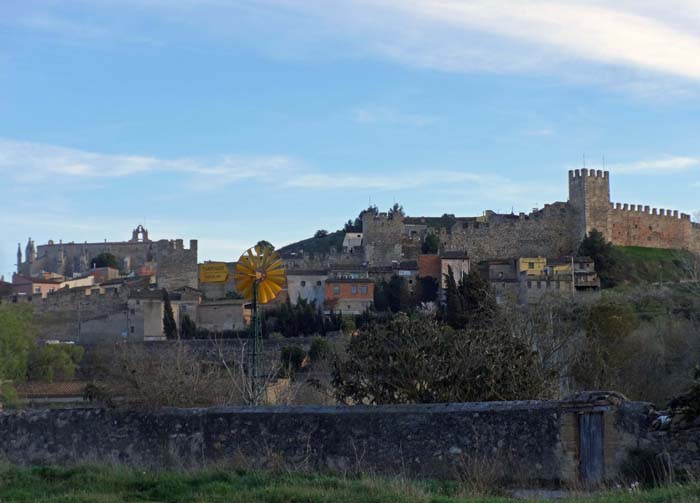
[{"x": 274, "y": 119}]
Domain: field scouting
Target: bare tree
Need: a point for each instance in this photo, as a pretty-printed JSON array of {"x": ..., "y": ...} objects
[{"x": 253, "y": 389}]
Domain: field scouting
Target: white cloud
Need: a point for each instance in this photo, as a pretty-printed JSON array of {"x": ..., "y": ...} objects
[
  {"x": 645, "y": 47},
  {"x": 28, "y": 162}
]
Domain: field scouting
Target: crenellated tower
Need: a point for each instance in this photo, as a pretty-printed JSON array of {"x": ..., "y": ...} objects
[{"x": 589, "y": 198}]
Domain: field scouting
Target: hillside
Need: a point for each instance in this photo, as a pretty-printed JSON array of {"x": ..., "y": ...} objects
[
  {"x": 315, "y": 245},
  {"x": 652, "y": 265}
]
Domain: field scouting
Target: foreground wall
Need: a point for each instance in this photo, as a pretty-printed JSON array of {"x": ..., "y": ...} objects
[{"x": 523, "y": 441}]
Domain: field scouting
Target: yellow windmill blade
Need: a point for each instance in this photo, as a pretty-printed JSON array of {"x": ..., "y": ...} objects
[{"x": 261, "y": 265}]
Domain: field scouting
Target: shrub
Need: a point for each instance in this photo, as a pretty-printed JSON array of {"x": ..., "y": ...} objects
[{"x": 292, "y": 358}]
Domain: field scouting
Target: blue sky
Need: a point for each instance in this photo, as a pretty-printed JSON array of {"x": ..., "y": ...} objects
[{"x": 234, "y": 121}]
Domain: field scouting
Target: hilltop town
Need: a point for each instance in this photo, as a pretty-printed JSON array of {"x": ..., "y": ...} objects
[{"x": 522, "y": 256}]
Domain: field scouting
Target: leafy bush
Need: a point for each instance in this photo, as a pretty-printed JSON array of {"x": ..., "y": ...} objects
[
  {"x": 292, "y": 358},
  {"x": 320, "y": 349},
  {"x": 54, "y": 362},
  {"x": 423, "y": 361}
]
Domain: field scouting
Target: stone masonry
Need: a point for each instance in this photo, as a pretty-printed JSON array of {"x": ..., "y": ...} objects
[
  {"x": 555, "y": 230},
  {"x": 175, "y": 265},
  {"x": 519, "y": 442}
]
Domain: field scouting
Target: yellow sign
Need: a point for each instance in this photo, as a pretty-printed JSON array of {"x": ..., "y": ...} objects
[{"x": 213, "y": 272}]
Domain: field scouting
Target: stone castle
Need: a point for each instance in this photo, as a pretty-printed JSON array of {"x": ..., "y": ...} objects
[
  {"x": 555, "y": 230},
  {"x": 174, "y": 265}
]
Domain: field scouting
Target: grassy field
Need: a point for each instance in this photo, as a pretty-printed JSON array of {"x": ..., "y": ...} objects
[{"x": 111, "y": 485}]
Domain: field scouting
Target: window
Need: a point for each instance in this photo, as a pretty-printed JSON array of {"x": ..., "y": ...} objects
[
  {"x": 363, "y": 290},
  {"x": 37, "y": 289},
  {"x": 539, "y": 284},
  {"x": 303, "y": 283},
  {"x": 132, "y": 329},
  {"x": 530, "y": 265},
  {"x": 132, "y": 311},
  {"x": 336, "y": 290},
  {"x": 529, "y": 284},
  {"x": 318, "y": 283},
  {"x": 354, "y": 290}
]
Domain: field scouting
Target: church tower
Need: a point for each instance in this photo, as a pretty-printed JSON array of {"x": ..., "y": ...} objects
[{"x": 19, "y": 258}]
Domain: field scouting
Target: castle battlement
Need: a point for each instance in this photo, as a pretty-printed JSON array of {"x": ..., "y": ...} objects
[
  {"x": 590, "y": 173},
  {"x": 647, "y": 210}
]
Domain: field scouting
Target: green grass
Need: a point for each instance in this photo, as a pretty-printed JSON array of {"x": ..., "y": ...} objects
[
  {"x": 117, "y": 484},
  {"x": 651, "y": 265}
]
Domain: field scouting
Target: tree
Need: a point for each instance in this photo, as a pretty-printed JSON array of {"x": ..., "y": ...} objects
[
  {"x": 169, "y": 325},
  {"x": 431, "y": 244},
  {"x": 478, "y": 302},
  {"x": 105, "y": 259},
  {"x": 396, "y": 211},
  {"x": 321, "y": 233},
  {"x": 426, "y": 289},
  {"x": 453, "y": 312},
  {"x": 393, "y": 295},
  {"x": 188, "y": 328},
  {"x": 292, "y": 358},
  {"x": 54, "y": 362},
  {"x": 418, "y": 360},
  {"x": 608, "y": 327},
  {"x": 16, "y": 343},
  {"x": 265, "y": 244},
  {"x": 604, "y": 256}
]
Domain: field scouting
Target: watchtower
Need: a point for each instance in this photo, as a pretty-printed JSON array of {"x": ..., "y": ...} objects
[{"x": 589, "y": 197}]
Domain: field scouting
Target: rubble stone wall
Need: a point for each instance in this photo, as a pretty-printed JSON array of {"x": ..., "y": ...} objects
[{"x": 523, "y": 441}]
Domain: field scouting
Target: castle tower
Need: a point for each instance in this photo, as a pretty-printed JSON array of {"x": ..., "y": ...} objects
[
  {"x": 19, "y": 258},
  {"x": 589, "y": 197}
]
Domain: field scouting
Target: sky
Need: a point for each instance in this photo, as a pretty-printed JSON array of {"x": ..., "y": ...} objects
[{"x": 231, "y": 121}]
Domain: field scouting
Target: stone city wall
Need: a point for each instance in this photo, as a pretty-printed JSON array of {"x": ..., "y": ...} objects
[
  {"x": 523, "y": 441},
  {"x": 70, "y": 315},
  {"x": 546, "y": 232},
  {"x": 637, "y": 225}
]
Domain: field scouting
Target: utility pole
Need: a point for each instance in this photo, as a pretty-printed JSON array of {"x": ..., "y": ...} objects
[{"x": 573, "y": 278}]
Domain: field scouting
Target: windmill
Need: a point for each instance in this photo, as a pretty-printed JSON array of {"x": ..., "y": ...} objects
[{"x": 259, "y": 278}]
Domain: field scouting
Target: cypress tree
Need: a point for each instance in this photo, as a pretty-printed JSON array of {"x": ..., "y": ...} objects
[{"x": 169, "y": 325}]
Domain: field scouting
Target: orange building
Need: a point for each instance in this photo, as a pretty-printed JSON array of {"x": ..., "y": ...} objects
[
  {"x": 349, "y": 295},
  {"x": 429, "y": 266},
  {"x": 22, "y": 285}
]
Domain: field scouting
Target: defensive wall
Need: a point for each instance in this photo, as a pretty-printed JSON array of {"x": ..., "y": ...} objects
[
  {"x": 549, "y": 443},
  {"x": 555, "y": 230},
  {"x": 70, "y": 315}
]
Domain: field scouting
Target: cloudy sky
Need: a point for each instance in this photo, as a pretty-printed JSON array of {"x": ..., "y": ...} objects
[{"x": 231, "y": 121}]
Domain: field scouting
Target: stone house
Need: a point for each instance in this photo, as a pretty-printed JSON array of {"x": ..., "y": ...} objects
[
  {"x": 529, "y": 279},
  {"x": 223, "y": 315}
]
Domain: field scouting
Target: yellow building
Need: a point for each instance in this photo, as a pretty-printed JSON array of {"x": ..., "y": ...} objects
[{"x": 532, "y": 266}]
